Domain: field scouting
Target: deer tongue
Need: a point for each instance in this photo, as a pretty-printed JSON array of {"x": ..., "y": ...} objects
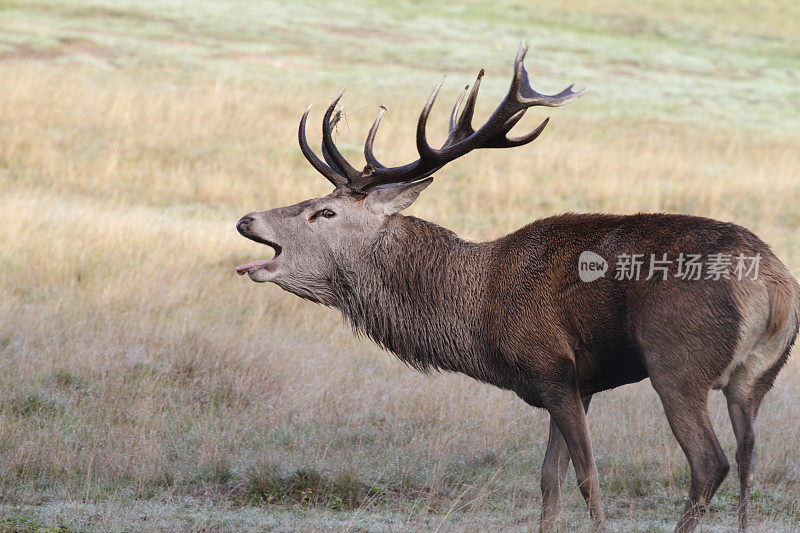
[{"x": 253, "y": 265}]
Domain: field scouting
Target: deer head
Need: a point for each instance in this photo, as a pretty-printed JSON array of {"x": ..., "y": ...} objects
[{"x": 317, "y": 240}]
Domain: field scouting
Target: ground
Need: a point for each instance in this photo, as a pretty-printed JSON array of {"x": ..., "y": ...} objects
[{"x": 143, "y": 385}]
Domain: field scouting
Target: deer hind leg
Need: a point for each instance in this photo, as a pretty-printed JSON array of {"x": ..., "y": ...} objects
[
  {"x": 687, "y": 413},
  {"x": 744, "y": 392},
  {"x": 742, "y": 413},
  {"x": 554, "y": 470}
]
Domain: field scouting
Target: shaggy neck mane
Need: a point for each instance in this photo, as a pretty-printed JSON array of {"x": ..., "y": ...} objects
[{"x": 418, "y": 294}]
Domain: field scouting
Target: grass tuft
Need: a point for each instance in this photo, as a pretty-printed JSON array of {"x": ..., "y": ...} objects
[
  {"x": 306, "y": 486},
  {"x": 32, "y": 403}
]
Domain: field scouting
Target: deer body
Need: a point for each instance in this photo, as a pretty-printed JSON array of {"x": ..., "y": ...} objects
[
  {"x": 506, "y": 312},
  {"x": 514, "y": 312}
]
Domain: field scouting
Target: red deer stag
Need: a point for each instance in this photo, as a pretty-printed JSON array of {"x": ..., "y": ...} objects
[{"x": 517, "y": 313}]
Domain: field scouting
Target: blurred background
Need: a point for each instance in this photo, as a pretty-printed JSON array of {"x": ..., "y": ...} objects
[{"x": 143, "y": 385}]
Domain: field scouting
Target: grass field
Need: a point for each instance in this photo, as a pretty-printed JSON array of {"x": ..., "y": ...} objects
[{"x": 143, "y": 385}]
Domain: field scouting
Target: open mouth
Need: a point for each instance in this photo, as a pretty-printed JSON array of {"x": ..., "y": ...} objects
[{"x": 253, "y": 266}]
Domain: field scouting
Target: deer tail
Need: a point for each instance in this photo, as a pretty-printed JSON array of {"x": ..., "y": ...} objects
[{"x": 784, "y": 300}]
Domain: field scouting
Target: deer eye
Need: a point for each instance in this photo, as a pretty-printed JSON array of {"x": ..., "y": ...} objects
[{"x": 326, "y": 213}]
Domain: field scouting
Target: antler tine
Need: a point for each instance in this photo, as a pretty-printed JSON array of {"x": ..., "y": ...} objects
[
  {"x": 529, "y": 97},
  {"x": 368, "y": 154},
  {"x": 463, "y": 127},
  {"x": 525, "y": 139},
  {"x": 330, "y": 174},
  {"x": 454, "y": 112},
  {"x": 501, "y": 140},
  {"x": 325, "y": 154},
  {"x": 327, "y": 138},
  {"x": 425, "y": 150}
]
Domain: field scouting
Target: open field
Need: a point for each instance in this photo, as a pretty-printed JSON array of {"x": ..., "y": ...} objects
[{"x": 143, "y": 385}]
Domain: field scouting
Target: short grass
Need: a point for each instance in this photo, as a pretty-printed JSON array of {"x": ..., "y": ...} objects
[{"x": 145, "y": 386}]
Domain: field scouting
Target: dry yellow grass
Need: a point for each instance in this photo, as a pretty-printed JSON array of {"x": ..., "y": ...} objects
[{"x": 135, "y": 365}]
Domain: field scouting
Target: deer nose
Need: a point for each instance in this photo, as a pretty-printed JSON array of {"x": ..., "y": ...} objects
[{"x": 244, "y": 224}]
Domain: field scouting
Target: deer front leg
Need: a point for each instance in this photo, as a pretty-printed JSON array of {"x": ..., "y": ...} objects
[
  {"x": 554, "y": 470},
  {"x": 569, "y": 417}
]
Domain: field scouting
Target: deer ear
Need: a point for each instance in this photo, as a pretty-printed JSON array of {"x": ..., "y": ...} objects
[{"x": 393, "y": 198}]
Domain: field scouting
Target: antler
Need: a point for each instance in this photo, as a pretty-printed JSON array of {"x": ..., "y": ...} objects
[{"x": 462, "y": 138}]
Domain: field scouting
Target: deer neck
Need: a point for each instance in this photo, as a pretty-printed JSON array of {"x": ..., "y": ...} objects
[{"x": 419, "y": 292}]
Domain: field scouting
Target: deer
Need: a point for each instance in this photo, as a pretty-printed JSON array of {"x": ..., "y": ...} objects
[{"x": 514, "y": 313}]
